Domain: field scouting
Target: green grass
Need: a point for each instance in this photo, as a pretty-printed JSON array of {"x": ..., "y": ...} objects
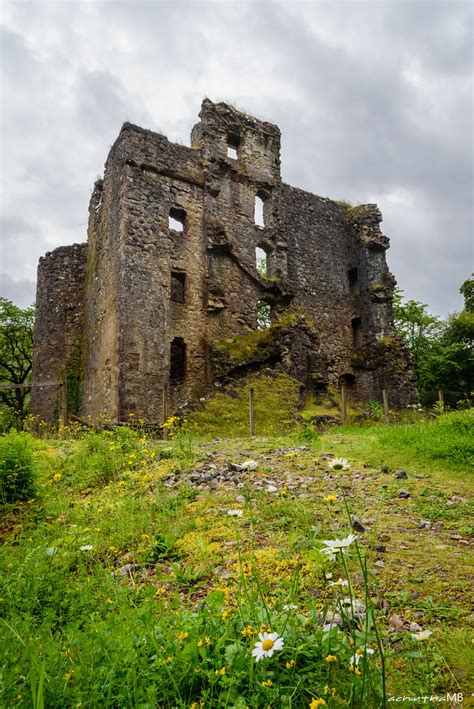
[{"x": 117, "y": 591}]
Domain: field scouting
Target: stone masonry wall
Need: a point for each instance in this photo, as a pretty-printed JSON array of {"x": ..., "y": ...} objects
[
  {"x": 171, "y": 273},
  {"x": 59, "y": 327}
]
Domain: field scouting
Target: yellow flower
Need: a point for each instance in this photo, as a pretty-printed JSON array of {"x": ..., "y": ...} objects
[
  {"x": 330, "y": 498},
  {"x": 222, "y": 671},
  {"x": 207, "y": 640},
  {"x": 200, "y": 643},
  {"x": 331, "y": 658},
  {"x": 248, "y": 631},
  {"x": 168, "y": 660},
  {"x": 290, "y": 664},
  {"x": 109, "y": 601},
  {"x": 68, "y": 676},
  {"x": 317, "y": 702},
  {"x": 145, "y": 537},
  {"x": 57, "y": 476},
  {"x": 183, "y": 635},
  {"x": 267, "y": 683}
]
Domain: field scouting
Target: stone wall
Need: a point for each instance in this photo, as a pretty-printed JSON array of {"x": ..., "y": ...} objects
[
  {"x": 171, "y": 273},
  {"x": 59, "y": 331}
]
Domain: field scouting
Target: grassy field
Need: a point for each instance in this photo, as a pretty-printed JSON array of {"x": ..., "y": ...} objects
[{"x": 141, "y": 572}]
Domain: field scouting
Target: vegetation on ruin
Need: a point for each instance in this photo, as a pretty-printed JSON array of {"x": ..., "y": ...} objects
[
  {"x": 16, "y": 354},
  {"x": 129, "y": 578}
]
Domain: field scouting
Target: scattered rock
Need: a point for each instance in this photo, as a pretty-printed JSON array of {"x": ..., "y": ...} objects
[
  {"x": 384, "y": 468},
  {"x": 424, "y": 524},
  {"x": 240, "y": 498},
  {"x": 249, "y": 465},
  {"x": 396, "y": 623},
  {"x": 380, "y": 548},
  {"x": 404, "y": 494},
  {"x": 380, "y": 564},
  {"x": 384, "y": 538},
  {"x": 401, "y": 475},
  {"x": 125, "y": 570},
  {"x": 357, "y": 525},
  {"x": 415, "y": 627}
]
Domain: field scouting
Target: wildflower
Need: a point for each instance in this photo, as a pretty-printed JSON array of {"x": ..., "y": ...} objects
[
  {"x": 200, "y": 643},
  {"x": 359, "y": 653},
  {"x": 330, "y": 498},
  {"x": 145, "y": 537},
  {"x": 183, "y": 635},
  {"x": 168, "y": 660},
  {"x": 331, "y": 658},
  {"x": 235, "y": 513},
  {"x": 222, "y": 671},
  {"x": 68, "y": 676},
  {"x": 337, "y": 545},
  {"x": 57, "y": 476},
  {"x": 86, "y": 547},
  {"x": 290, "y": 607},
  {"x": 269, "y": 642},
  {"x": 290, "y": 664},
  {"x": 160, "y": 591},
  {"x": 207, "y": 640},
  {"x": 339, "y": 464},
  {"x": 109, "y": 601},
  {"x": 339, "y": 582},
  {"x": 422, "y": 635},
  {"x": 248, "y": 631},
  {"x": 317, "y": 702},
  {"x": 267, "y": 683}
]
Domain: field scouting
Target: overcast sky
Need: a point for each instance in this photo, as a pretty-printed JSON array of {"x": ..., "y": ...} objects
[{"x": 374, "y": 101}]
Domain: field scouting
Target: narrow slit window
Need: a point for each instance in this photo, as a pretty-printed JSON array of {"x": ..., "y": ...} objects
[
  {"x": 357, "y": 332},
  {"x": 233, "y": 142},
  {"x": 176, "y": 220},
  {"x": 353, "y": 278},
  {"x": 261, "y": 261},
  {"x": 178, "y": 286},
  {"x": 177, "y": 360},
  {"x": 259, "y": 219},
  {"x": 264, "y": 316}
]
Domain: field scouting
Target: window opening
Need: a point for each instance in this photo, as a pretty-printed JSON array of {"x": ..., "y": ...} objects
[
  {"x": 177, "y": 360},
  {"x": 357, "y": 332},
  {"x": 259, "y": 220},
  {"x": 264, "y": 319},
  {"x": 261, "y": 262},
  {"x": 178, "y": 286},
  {"x": 176, "y": 219},
  {"x": 233, "y": 142},
  {"x": 353, "y": 278}
]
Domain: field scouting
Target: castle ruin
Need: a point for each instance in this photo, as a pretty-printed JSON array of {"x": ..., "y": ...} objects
[{"x": 187, "y": 248}]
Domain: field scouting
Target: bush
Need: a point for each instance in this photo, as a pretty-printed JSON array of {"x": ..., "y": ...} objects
[{"x": 17, "y": 467}]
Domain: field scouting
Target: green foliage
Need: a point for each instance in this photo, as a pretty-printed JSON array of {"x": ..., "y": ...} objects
[
  {"x": 442, "y": 351},
  {"x": 16, "y": 352},
  {"x": 17, "y": 467}
]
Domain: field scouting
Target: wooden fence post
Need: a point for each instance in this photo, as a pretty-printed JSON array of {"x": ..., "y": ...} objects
[
  {"x": 344, "y": 404},
  {"x": 252, "y": 411},
  {"x": 385, "y": 406}
]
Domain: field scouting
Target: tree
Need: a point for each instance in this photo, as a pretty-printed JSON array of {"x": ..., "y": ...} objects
[
  {"x": 442, "y": 351},
  {"x": 16, "y": 355}
]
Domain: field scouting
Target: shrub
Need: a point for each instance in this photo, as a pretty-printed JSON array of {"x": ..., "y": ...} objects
[{"x": 17, "y": 467}]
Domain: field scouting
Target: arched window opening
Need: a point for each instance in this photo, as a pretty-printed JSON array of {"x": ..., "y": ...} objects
[
  {"x": 261, "y": 262},
  {"x": 177, "y": 360},
  {"x": 264, "y": 318},
  {"x": 259, "y": 219},
  {"x": 176, "y": 220},
  {"x": 233, "y": 142}
]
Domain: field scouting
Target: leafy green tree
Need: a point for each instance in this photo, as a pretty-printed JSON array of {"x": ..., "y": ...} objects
[
  {"x": 16, "y": 354},
  {"x": 442, "y": 351}
]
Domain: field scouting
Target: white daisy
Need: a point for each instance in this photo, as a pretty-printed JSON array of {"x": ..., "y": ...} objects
[
  {"x": 422, "y": 635},
  {"x": 86, "y": 547},
  {"x": 339, "y": 464},
  {"x": 359, "y": 653},
  {"x": 333, "y": 546},
  {"x": 290, "y": 607},
  {"x": 235, "y": 513},
  {"x": 339, "y": 582},
  {"x": 269, "y": 642}
]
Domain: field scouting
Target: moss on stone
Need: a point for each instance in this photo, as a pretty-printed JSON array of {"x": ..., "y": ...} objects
[{"x": 226, "y": 414}]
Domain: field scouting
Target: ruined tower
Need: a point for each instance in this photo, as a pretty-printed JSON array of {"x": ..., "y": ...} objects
[{"x": 186, "y": 246}]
